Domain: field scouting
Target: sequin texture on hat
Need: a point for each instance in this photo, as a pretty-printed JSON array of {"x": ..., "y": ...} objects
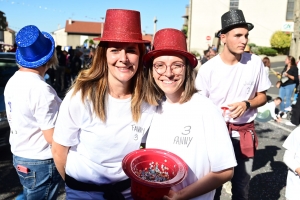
[{"x": 35, "y": 48}]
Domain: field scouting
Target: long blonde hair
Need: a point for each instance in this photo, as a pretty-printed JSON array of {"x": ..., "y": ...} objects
[{"x": 93, "y": 83}]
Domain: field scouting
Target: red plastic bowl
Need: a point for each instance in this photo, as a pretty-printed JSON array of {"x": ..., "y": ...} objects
[{"x": 140, "y": 159}]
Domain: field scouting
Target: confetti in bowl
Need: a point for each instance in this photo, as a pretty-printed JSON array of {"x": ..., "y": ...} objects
[{"x": 153, "y": 172}]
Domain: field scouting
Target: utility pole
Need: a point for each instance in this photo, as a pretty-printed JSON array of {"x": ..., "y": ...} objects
[{"x": 295, "y": 43}]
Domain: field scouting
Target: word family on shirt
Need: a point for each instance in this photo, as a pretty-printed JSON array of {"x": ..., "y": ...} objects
[{"x": 184, "y": 139}]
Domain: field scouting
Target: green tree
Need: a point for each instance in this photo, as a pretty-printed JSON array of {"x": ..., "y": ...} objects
[
  {"x": 185, "y": 30},
  {"x": 281, "y": 41},
  {"x": 91, "y": 42}
]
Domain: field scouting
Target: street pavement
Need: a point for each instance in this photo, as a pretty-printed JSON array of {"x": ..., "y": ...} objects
[{"x": 268, "y": 178}]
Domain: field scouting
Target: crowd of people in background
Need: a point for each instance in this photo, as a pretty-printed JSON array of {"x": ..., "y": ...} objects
[
  {"x": 208, "y": 54},
  {"x": 71, "y": 62},
  {"x": 8, "y": 48}
]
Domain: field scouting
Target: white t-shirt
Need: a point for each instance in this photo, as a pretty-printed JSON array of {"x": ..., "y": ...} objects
[
  {"x": 292, "y": 160},
  {"x": 97, "y": 148},
  {"x": 196, "y": 132},
  {"x": 227, "y": 84},
  {"x": 31, "y": 106}
]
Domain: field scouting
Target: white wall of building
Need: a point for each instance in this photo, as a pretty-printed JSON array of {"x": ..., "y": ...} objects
[
  {"x": 9, "y": 37},
  {"x": 267, "y": 16},
  {"x": 60, "y": 37}
]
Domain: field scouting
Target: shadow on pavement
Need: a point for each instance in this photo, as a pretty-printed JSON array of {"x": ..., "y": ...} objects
[
  {"x": 268, "y": 185},
  {"x": 283, "y": 138},
  {"x": 10, "y": 186}
]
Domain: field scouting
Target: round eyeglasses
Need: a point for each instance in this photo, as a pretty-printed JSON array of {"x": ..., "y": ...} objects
[{"x": 175, "y": 67}]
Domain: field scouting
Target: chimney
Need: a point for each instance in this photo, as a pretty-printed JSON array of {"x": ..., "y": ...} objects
[{"x": 70, "y": 21}]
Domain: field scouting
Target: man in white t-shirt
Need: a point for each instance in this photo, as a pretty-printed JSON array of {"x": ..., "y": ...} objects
[
  {"x": 236, "y": 80},
  {"x": 32, "y": 108}
]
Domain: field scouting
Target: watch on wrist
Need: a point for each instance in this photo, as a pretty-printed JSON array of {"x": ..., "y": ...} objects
[{"x": 247, "y": 104}]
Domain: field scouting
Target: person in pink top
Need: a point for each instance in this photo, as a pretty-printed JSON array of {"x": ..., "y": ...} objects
[{"x": 236, "y": 80}]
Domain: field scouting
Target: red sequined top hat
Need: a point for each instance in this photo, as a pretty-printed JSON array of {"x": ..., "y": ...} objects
[
  {"x": 167, "y": 42},
  {"x": 122, "y": 26}
]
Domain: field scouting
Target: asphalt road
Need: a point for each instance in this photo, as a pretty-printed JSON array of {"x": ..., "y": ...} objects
[{"x": 268, "y": 174}]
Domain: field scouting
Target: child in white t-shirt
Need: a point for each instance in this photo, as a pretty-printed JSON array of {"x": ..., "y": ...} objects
[
  {"x": 292, "y": 159},
  {"x": 32, "y": 108}
]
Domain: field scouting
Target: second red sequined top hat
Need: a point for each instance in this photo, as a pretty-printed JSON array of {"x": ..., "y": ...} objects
[{"x": 169, "y": 41}]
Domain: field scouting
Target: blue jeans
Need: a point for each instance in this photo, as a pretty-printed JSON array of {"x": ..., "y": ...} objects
[
  {"x": 285, "y": 93},
  {"x": 42, "y": 179},
  {"x": 242, "y": 173}
]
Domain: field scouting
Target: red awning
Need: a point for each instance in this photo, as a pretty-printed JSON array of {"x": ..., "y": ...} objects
[{"x": 97, "y": 38}]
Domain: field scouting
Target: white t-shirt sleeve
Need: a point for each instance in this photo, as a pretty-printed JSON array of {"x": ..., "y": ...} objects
[
  {"x": 264, "y": 82},
  {"x": 292, "y": 146},
  {"x": 219, "y": 146},
  {"x": 201, "y": 82},
  {"x": 69, "y": 120},
  {"x": 45, "y": 104}
]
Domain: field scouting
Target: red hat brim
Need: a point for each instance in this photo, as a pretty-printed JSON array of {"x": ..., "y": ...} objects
[
  {"x": 127, "y": 41},
  {"x": 150, "y": 55}
]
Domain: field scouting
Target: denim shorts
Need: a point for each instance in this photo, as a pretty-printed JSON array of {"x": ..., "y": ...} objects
[{"x": 41, "y": 181}]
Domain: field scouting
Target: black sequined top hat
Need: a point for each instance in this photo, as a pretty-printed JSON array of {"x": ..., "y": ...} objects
[{"x": 231, "y": 19}]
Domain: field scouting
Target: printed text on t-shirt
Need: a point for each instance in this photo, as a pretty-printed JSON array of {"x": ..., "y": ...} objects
[
  {"x": 184, "y": 139},
  {"x": 138, "y": 130}
]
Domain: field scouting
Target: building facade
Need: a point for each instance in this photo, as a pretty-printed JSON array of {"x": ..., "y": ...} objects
[
  {"x": 267, "y": 16},
  {"x": 75, "y": 33}
]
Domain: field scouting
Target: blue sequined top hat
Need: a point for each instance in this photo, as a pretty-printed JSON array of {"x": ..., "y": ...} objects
[
  {"x": 35, "y": 48},
  {"x": 232, "y": 19}
]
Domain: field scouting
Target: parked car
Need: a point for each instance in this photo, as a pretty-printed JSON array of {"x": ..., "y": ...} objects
[{"x": 8, "y": 67}]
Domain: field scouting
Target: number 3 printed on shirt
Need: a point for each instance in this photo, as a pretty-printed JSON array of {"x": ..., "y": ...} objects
[{"x": 187, "y": 130}]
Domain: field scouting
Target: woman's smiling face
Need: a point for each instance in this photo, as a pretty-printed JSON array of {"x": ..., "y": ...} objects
[
  {"x": 122, "y": 61},
  {"x": 171, "y": 80}
]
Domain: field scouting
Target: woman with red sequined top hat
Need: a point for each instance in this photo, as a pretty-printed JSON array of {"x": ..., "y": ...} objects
[
  {"x": 186, "y": 123},
  {"x": 32, "y": 108},
  {"x": 104, "y": 117}
]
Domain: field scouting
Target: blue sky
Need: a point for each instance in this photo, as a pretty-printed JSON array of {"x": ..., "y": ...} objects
[{"x": 48, "y": 15}]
